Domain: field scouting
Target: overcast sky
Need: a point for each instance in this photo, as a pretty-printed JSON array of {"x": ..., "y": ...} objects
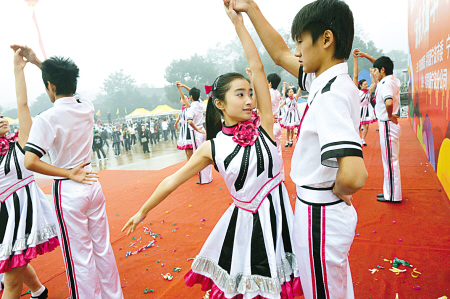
[{"x": 142, "y": 37}]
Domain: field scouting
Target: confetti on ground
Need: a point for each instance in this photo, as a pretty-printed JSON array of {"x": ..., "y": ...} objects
[
  {"x": 416, "y": 287},
  {"x": 176, "y": 269},
  {"x": 415, "y": 273},
  {"x": 168, "y": 276},
  {"x": 380, "y": 267},
  {"x": 374, "y": 270},
  {"x": 150, "y": 244},
  {"x": 149, "y": 291}
]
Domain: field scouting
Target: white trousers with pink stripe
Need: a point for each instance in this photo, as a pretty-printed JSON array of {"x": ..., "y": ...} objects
[
  {"x": 390, "y": 146},
  {"x": 84, "y": 238},
  {"x": 323, "y": 236}
]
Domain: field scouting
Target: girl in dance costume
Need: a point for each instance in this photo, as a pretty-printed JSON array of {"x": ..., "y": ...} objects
[
  {"x": 367, "y": 113},
  {"x": 249, "y": 252},
  {"x": 184, "y": 138},
  {"x": 27, "y": 224},
  {"x": 291, "y": 120}
]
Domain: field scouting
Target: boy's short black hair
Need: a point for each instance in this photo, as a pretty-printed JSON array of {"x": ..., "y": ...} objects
[
  {"x": 275, "y": 79},
  {"x": 61, "y": 72},
  {"x": 385, "y": 62},
  {"x": 322, "y": 15},
  {"x": 195, "y": 93}
]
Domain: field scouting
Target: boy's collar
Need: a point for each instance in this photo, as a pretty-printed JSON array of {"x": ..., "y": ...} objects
[
  {"x": 65, "y": 100},
  {"x": 338, "y": 69}
]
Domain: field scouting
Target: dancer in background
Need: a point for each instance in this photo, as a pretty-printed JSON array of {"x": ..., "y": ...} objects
[
  {"x": 291, "y": 119},
  {"x": 184, "y": 138},
  {"x": 249, "y": 252},
  {"x": 27, "y": 223},
  {"x": 365, "y": 91}
]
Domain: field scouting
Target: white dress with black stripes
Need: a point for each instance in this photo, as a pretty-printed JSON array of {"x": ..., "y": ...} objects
[
  {"x": 184, "y": 138},
  {"x": 249, "y": 253},
  {"x": 27, "y": 222},
  {"x": 292, "y": 117},
  {"x": 367, "y": 113}
]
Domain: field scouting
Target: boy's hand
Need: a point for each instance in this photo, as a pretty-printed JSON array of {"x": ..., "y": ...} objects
[
  {"x": 359, "y": 53},
  {"x": 28, "y": 53},
  {"x": 355, "y": 53},
  {"x": 235, "y": 17},
  {"x": 239, "y": 5},
  {"x": 394, "y": 119},
  {"x": 78, "y": 174},
  {"x": 130, "y": 226},
  {"x": 19, "y": 62},
  {"x": 347, "y": 198}
]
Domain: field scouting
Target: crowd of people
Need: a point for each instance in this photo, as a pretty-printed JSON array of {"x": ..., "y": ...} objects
[{"x": 259, "y": 248}]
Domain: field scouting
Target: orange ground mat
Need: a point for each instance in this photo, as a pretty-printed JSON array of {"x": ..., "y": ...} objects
[{"x": 417, "y": 230}]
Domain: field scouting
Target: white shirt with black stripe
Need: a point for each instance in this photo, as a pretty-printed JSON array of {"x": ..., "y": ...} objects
[
  {"x": 330, "y": 128},
  {"x": 195, "y": 113},
  {"x": 387, "y": 88},
  {"x": 65, "y": 131}
]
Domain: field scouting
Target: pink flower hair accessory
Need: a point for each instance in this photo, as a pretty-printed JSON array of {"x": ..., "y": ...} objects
[
  {"x": 5, "y": 141},
  {"x": 246, "y": 132}
]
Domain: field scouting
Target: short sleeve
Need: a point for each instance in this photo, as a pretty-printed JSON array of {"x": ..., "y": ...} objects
[
  {"x": 41, "y": 137},
  {"x": 386, "y": 91},
  {"x": 336, "y": 129},
  {"x": 305, "y": 79},
  {"x": 189, "y": 113}
]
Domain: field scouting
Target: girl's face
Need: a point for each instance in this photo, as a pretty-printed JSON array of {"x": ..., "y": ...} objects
[
  {"x": 290, "y": 93},
  {"x": 4, "y": 126},
  {"x": 364, "y": 85},
  {"x": 239, "y": 102}
]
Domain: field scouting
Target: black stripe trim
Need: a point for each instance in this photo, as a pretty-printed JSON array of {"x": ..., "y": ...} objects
[
  {"x": 226, "y": 253},
  {"x": 228, "y": 159},
  {"x": 259, "y": 158},
  {"x": 29, "y": 220},
  {"x": 4, "y": 216},
  {"x": 32, "y": 150},
  {"x": 340, "y": 142},
  {"x": 269, "y": 154},
  {"x": 316, "y": 227},
  {"x": 1, "y": 158},
  {"x": 273, "y": 221},
  {"x": 319, "y": 204},
  {"x": 267, "y": 135},
  {"x": 213, "y": 153},
  {"x": 8, "y": 160},
  {"x": 17, "y": 165},
  {"x": 36, "y": 146},
  {"x": 328, "y": 86},
  {"x": 285, "y": 233},
  {"x": 65, "y": 243},
  {"x": 389, "y": 161},
  {"x": 317, "y": 189},
  {"x": 300, "y": 77},
  {"x": 242, "y": 176},
  {"x": 342, "y": 152},
  {"x": 258, "y": 254},
  {"x": 16, "y": 203},
  {"x": 20, "y": 148}
]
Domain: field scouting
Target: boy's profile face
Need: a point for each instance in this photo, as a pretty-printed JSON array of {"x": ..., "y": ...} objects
[
  {"x": 379, "y": 74},
  {"x": 309, "y": 54}
]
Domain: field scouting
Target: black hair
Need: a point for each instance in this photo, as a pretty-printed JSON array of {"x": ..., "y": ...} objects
[
  {"x": 213, "y": 115},
  {"x": 275, "y": 79},
  {"x": 360, "y": 83},
  {"x": 61, "y": 72},
  {"x": 195, "y": 93},
  {"x": 293, "y": 89},
  {"x": 322, "y": 15},
  {"x": 385, "y": 62}
]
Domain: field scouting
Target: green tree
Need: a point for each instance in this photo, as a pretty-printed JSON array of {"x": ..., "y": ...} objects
[
  {"x": 41, "y": 104},
  {"x": 399, "y": 57}
]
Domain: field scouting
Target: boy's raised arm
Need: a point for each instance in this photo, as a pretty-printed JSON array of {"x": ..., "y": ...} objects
[{"x": 271, "y": 39}]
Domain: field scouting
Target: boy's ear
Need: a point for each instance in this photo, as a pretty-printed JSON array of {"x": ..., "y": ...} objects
[{"x": 328, "y": 38}]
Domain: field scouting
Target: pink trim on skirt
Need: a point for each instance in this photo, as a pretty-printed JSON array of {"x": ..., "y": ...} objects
[
  {"x": 19, "y": 260},
  {"x": 289, "y": 289},
  {"x": 289, "y": 127},
  {"x": 369, "y": 121},
  {"x": 184, "y": 147}
]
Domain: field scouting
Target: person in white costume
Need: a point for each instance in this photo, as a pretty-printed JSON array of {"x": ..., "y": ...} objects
[
  {"x": 249, "y": 253},
  {"x": 65, "y": 131}
]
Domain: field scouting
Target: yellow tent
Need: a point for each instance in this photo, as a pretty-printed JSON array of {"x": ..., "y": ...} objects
[
  {"x": 163, "y": 110},
  {"x": 139, "y": 112},
  {"x": 11, "y": 120}
]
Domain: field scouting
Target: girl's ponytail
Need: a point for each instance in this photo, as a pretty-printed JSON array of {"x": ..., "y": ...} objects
[{"x": 213, "y": 120}]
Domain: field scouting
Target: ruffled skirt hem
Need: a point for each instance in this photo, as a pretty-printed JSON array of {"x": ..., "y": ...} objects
[
  {"x": 289, "y": 289},
  {"x": 184, "y": 147},
  {"x": 22, "y": 259}
]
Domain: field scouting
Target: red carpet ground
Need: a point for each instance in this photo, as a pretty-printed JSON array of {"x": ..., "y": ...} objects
[{"x": 417, "y": 230}]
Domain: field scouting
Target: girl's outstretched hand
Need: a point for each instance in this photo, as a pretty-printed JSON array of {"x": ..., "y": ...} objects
[
  {"x": 130, "y": 226},
  {"x": 235, "y": 17}
]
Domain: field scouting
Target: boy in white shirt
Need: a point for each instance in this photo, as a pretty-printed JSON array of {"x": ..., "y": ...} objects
[{"x": 327, "y": 164}]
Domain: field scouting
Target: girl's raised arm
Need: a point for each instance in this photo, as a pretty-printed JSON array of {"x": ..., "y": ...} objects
[
  {"x": 261, "y": 88},
  {"x": 23, "y": 111}
]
